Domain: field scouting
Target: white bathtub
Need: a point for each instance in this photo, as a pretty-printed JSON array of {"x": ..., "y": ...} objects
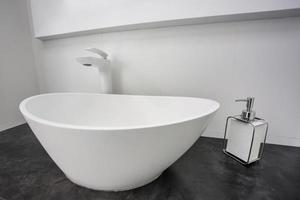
[{"x": 116, "y": 142}]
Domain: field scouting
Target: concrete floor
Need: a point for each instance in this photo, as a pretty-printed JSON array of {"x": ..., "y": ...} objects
[{"x": 204, "y": 172}]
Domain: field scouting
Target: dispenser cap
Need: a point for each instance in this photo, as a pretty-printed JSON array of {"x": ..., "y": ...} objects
[{"x": 248, "y": 114}]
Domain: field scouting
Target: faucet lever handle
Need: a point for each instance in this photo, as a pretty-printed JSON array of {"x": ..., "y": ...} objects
[{"x": 98, "y": 52}]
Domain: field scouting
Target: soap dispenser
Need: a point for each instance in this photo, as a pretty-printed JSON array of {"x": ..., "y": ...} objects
[{"x": 245, "y": 135}]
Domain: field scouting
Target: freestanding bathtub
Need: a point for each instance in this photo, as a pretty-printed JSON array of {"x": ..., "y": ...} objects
[{"x": 116, "y": 142}]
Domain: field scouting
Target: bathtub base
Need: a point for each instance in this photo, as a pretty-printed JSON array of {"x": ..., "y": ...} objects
[{"x": 116, "y": 189}]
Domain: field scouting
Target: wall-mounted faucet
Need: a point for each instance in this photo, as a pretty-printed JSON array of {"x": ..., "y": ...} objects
[{"x": 102, "y": 64}]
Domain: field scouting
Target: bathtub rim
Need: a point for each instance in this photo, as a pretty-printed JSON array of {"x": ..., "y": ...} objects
[{"x": 29, "y": 115}]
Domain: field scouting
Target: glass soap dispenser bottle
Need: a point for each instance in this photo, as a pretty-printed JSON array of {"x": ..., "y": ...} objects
[{"x": 245, "y": 135}]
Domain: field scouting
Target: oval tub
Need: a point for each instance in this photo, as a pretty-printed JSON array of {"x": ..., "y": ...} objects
[{"x": 116, "y": 142}]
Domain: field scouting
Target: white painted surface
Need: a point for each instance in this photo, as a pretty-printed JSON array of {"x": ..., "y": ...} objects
[
  {"x": 220, "y": 61},
  {"x": 57, "y": 17},
  {"x": 17, "y": 72},
  {"x": 116, "y": 142}
]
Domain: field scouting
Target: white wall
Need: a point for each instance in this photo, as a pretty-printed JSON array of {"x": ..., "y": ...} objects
[
  {"x": 67, "y": 16},
  {"x": 17, "y": 72},
  {"x": 220, "y": 61}
]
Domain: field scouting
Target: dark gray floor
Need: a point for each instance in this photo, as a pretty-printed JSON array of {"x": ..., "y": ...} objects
[{"x": 204, "y": 172}]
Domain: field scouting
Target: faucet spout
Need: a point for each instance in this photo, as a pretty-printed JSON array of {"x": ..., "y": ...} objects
[{"x": 92, "y": 61}]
